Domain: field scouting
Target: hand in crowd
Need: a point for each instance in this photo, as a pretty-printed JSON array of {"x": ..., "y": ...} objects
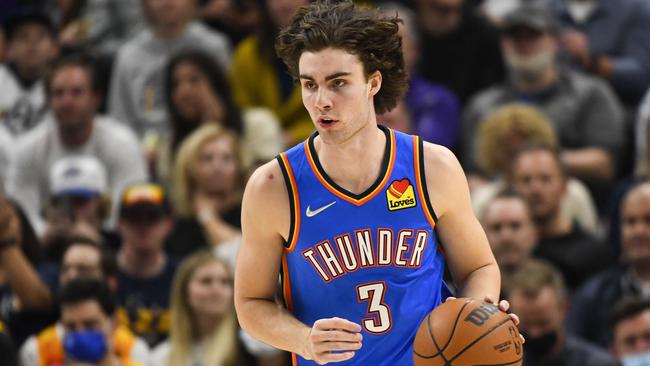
[
  {"x": 210, "y": 106},
  {"x": 206, "y": 207},
  {"x": 9, "y": 222},
  {"x": 577, "y": 45}
]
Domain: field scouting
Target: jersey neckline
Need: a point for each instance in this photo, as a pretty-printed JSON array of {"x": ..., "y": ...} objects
[{"x": 356, "y": 199}]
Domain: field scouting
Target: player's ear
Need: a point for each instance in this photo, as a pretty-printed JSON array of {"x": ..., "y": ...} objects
[{"x": 374, "y": 83}]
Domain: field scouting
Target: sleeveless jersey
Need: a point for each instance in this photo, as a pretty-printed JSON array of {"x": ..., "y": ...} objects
[{"x": 371, "y": 258}]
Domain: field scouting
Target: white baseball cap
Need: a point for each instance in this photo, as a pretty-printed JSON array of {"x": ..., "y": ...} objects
[{"x": 78, "y": 176}]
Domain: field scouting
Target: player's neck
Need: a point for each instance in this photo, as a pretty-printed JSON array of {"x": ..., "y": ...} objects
[{"x": 356, "y": 163}]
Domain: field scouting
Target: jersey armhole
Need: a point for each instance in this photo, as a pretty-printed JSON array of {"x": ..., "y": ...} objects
[
  {"x": 422, "y": 181},
  {"x": 294, "y": 203}
]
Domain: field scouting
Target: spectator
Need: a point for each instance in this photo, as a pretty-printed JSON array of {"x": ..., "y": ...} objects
[
  {"x": 432, "y": 108},
  {"x": 31, "y": 47},
  {"x": 260, "y": 79},
  {"x": 101, "y": 25},
  {"x": 236, "y": 18},
  {"x": 145, "y": 270},
  {"x": 540, "y": 299},
  {"x": 88, "y": 318},
  {"x": 459, "y": 49},
  {"x": 511, "y": 231},
  {"x": 6, "y": 153},
  {"x": 79, "y": 204},
  {"x": 203, "y": 321},
  {"x": 75, "y": 130},
  {"x": 631, "y": 277},
  {"x": 208, "y": 188},
  {"x": 537, "y": 174},
  {"x": 500, "y": 136},
  {"x": 630, "y": 321},
  {"x": 197, "y": 92},
  {"x": 87, "y": 260},
  {"x": 610, "y": 39},
  {"x": 137, "y": 93},
  {"x": 584, "y": 112}
]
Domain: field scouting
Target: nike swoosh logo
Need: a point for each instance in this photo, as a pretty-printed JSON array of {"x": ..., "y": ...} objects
[{"x": 311, "y": 213}]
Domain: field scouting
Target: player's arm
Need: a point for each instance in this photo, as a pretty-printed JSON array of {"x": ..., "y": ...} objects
[
  {"x": 265, "y": 224},
  {"x": 467, "y": 250}
]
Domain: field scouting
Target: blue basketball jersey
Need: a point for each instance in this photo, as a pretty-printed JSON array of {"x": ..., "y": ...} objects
[{"x": 372, "y": 258}]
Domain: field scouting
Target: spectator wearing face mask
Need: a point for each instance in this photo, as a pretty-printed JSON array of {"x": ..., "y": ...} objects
[
  {"x": 630, "y": 321},
  {"x": 538, "y": 296},
  {"x": 88, "y": 318},
  {"x": 583, "y": 110}
]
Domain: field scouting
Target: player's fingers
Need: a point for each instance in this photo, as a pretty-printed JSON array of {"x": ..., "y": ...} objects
[
  {"x": 335, "y": 335},
  {"x": 515, "y": 318},
  {"x": 504, "y": 305},
  {"x": 325, "y": 347},
  {"x": 337, "y": 323},
  {"x": 450, "y": 298},
  {"x": 334, "y": 357},
  {"x": 523, "y": 339}
]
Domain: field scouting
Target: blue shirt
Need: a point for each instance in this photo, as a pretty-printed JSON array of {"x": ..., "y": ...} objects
[{"x": 372, "y": 258}]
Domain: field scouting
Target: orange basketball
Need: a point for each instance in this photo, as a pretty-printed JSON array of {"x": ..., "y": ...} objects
[{"x": 467, "y": 332}]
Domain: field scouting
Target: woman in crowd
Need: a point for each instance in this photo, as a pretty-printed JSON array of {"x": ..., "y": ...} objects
[
  {"x": 203, "y": 323},
  {"x": 207, "y": 192},
  {"x": 197, "y": 92}
]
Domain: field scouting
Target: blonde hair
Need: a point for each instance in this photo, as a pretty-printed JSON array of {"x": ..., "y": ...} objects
[
  {"x": 222, "y": 343},
  {"x": 184, "y": 167},
  {"x": 513, "y": 123}
]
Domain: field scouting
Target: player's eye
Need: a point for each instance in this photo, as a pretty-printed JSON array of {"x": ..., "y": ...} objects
[
  {"x": 338, "y": 83},
  {"x": 310, "y": 85}
]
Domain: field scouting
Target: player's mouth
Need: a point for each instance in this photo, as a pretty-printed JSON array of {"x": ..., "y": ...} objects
[{"x": 326, "y": 121}]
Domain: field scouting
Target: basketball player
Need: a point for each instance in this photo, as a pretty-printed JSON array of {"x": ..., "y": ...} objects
[{"x": 348, "y": 216}]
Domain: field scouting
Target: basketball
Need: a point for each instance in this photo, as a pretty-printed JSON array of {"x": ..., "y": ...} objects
[{"x": 467, "y": 332}]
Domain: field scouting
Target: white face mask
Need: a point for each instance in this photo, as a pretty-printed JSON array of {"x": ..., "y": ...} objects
[
  {"x": 637, "y": 359},
  {"x": 529, "y": 69}
]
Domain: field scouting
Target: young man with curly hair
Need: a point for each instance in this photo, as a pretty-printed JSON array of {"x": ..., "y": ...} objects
[{"x": 347, "y": 217}]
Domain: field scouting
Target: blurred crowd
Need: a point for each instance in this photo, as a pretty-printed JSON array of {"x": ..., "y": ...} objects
[{"x": 128, "y": 129}]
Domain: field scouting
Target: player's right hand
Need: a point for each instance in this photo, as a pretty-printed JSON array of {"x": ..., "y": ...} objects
[{"x": 333, "y": 340}]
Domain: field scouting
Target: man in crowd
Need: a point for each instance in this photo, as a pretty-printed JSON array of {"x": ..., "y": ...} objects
[
  {"x": 585, "y": 113},
  {"x": 75, "y": 130},
  {"x": 83, "y": 259},
  {"x": 31, "y": 47},
  {"x": 145, "y": 271},
  {"x": 511, "y": 231},
  {"x": 591, "y": 303},
  {"x": 539, "y": 297},
  {"x": 537, "y": 174},
  {"x": 630, "y": 321}
]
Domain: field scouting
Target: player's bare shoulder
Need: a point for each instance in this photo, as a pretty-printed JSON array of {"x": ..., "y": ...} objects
[
  {"x": 446, "y": 181},
  {"x": 266, "y": 199}
]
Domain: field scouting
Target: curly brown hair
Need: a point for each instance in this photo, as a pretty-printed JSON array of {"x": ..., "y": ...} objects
[{"x": 361, "y": 31}]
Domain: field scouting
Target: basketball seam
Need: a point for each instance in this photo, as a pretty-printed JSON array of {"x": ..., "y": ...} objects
[
  {"x": 453, "y": 330},
  {"x": 495, "y": 327}
]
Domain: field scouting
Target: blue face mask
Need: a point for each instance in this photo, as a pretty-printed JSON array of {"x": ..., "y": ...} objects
[
  {"x": 637, "y": 359},
  {"x": 86, "y": 346}
]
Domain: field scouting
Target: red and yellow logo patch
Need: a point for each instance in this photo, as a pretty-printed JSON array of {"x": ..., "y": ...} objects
[{"x": 400, "y": 194}]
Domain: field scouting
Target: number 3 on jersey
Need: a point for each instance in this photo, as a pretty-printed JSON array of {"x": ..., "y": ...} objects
[{"x": 373, "y": 293}]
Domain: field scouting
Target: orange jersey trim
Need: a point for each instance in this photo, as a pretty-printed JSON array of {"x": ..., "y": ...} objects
[
  {"x": 295, "y": 202},
  {"x": 420, "y": 180},
  {"x": 343, "y": 196}
]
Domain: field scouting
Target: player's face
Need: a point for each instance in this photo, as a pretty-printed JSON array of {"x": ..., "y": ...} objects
[
  {"x": 71, "y": 97},
  {"x": 80, "y": 261},
  {"x": 510, "y": 231},
  {"x": 336, "y": 93},
  {"x": 217, "y": 166},
  {"x": 539, "y": 315},
  {"x": 31, "y": 47},
  {"x": 537, "y": 177},
  {"x": 210, "y": 290},
  {"x": 632, "y": 335},
  {"x": 635, "y": 227}
]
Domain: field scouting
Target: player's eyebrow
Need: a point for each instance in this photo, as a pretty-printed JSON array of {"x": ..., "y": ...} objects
[{"x": 328, "y": 77}]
